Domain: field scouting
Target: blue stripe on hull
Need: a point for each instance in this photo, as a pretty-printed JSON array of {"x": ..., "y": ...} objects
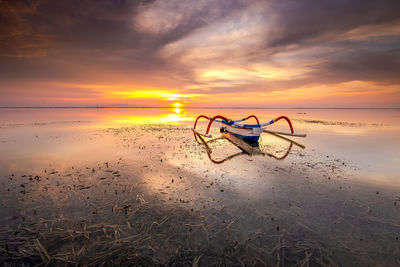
[{"x": 251, "y": 139}]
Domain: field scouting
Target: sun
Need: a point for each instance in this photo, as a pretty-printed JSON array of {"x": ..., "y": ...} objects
[{"x": 177, "y": 105}]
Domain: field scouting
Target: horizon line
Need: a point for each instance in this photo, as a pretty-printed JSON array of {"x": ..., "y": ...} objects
[{"x": 155, "y": 107}]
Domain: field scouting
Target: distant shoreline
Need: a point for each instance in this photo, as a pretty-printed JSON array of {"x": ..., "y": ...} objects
[{"x": 194, "y": 108}]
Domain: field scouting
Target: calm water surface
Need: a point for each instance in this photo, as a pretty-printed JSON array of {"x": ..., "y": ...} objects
[{"x": 133, "y": 186}]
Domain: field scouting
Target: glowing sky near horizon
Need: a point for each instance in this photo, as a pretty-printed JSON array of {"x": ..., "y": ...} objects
[{"x": 261, "y": 53}]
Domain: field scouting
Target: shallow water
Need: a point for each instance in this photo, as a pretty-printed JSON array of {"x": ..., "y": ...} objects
[{"x": 133, "y": 186}]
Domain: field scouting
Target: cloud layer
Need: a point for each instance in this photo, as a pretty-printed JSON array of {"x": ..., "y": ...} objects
[{"x": 253, "y": 53}]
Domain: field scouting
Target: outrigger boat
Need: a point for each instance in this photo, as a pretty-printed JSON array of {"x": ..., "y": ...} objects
[
  {"x": 244, "y": 136},
  {"x": 248, "y": 132}
]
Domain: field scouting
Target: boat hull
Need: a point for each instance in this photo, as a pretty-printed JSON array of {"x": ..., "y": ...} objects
[{"x": 250, "y": 135}]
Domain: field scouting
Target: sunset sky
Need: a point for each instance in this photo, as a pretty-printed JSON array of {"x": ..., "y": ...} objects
[{"x": 200, "y": 53}]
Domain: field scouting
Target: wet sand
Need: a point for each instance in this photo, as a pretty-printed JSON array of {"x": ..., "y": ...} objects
[{"x": 76, "y": 189}]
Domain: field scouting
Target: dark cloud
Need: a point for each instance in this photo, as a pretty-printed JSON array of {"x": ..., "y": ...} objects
[
  {"x": 364, "y": 65},
  {"x": 192, "y": 16},
  {"x": 311, "y": 20},
  {"x": 64, "y": 24},
  {"x": 17, "y": 36}
]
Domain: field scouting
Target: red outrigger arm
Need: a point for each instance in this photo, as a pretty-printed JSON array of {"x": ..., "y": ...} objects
[
  {"x": 252, "y": 116},
  {"x": 287, "y": 119},
  {"x": 201, "y": 116}
]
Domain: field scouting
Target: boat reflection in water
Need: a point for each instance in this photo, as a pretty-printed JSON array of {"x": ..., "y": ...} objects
[{"x": 246, "y": 148}]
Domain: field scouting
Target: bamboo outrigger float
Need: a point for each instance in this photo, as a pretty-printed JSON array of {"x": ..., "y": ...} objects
[{"x": 244, "y": 136}]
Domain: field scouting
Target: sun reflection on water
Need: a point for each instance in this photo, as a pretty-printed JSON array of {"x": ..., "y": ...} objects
[
  {"x": 151, "y": 116},
  {"x": 177, "y": 111}
]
